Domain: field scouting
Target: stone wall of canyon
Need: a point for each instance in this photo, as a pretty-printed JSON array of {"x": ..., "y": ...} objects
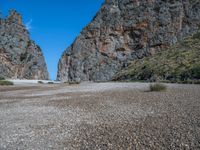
[
  {"x": 125, "y": 30},
  {"x": 20, "y": 57}
]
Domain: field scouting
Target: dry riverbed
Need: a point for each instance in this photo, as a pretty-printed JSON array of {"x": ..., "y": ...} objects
[{"x": 99, "y": 116}]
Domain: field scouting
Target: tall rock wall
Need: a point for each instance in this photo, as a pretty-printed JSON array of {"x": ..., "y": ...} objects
[
  {"x": 124, "y": 30},
  {"x": 20, "y": 57}
]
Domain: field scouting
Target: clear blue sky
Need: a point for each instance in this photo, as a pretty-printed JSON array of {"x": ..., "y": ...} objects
[{"x": 54, "y": 24}]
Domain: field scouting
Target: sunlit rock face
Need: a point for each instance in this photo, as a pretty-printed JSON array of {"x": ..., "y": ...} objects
[
  {"x": 124, "y": 30},
  {"x": 20, "y": 57}
]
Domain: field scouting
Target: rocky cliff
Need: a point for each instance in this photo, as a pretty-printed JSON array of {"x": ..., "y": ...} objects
[
  {"x": 20, "y": 57},
  {"x": 125, "y": 30},
  {"x": 178, "y": 63}
]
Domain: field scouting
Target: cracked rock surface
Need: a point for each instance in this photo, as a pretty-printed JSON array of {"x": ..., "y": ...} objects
[
  {"x": 20, "y": 57},
  {"x": 125, "y": 30}
]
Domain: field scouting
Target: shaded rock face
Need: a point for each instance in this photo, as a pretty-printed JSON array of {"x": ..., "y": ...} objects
[
  {"x": 125, "y": 30},
  {"x": 20, "y": 57}
]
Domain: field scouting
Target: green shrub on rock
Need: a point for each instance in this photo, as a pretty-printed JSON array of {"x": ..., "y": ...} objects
[
  {"x": 4, "y": 82},
  {"x": 2, "y": 78},
  {"x": 75, "y": 81},
  {"x": 50, "y": 83},
  {"x": 179, "y": 63},
  {"x": 40, "y": 82},
  {"x": 157, "y": 87}
]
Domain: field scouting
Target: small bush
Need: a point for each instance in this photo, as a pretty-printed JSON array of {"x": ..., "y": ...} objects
[
  {"x": 4, "y": 82},
  {"x": 40, "y": 82},
  {"x": 74, "y": 82},
  {"x": 157, "y": 87},
  {"x": 2, "y": 78},
  {"x": 23, "y": 56},
  {"x": 197, "y": 35},
  {"x": 197, "y": 82},
  {"x": 50, "y": 82}
]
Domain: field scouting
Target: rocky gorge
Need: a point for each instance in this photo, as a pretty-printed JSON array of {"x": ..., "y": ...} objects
[
  {"x": 126, "y": 30},
  {"x": 20, "y": 57}
]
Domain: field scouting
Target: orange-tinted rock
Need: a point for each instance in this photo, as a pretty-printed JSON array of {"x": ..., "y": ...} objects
[
  {"x": 20, "y": 57},
  {"x": 124, "y": 30}
]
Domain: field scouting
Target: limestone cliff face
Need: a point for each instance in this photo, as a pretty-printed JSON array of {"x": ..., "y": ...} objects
[
  {"x": 20, "y": 57},
  {"x": 125, "y": 30}
]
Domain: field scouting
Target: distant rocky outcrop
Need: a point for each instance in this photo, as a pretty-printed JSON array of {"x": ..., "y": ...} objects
[
  {"x": 125, "y": 30},
  {"x": 20, "y": 57}
]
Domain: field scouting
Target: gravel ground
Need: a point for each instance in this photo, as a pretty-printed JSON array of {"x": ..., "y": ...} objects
[{"x": 99, "y": 116}]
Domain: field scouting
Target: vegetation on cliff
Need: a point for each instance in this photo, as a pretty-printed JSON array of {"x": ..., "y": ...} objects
[{"x": 179, "y": 63}]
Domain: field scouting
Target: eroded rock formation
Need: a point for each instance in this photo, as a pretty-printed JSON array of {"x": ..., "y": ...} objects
[
  {"x": 124, "y": 30},
  {"x": 20, "y": 57}
]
